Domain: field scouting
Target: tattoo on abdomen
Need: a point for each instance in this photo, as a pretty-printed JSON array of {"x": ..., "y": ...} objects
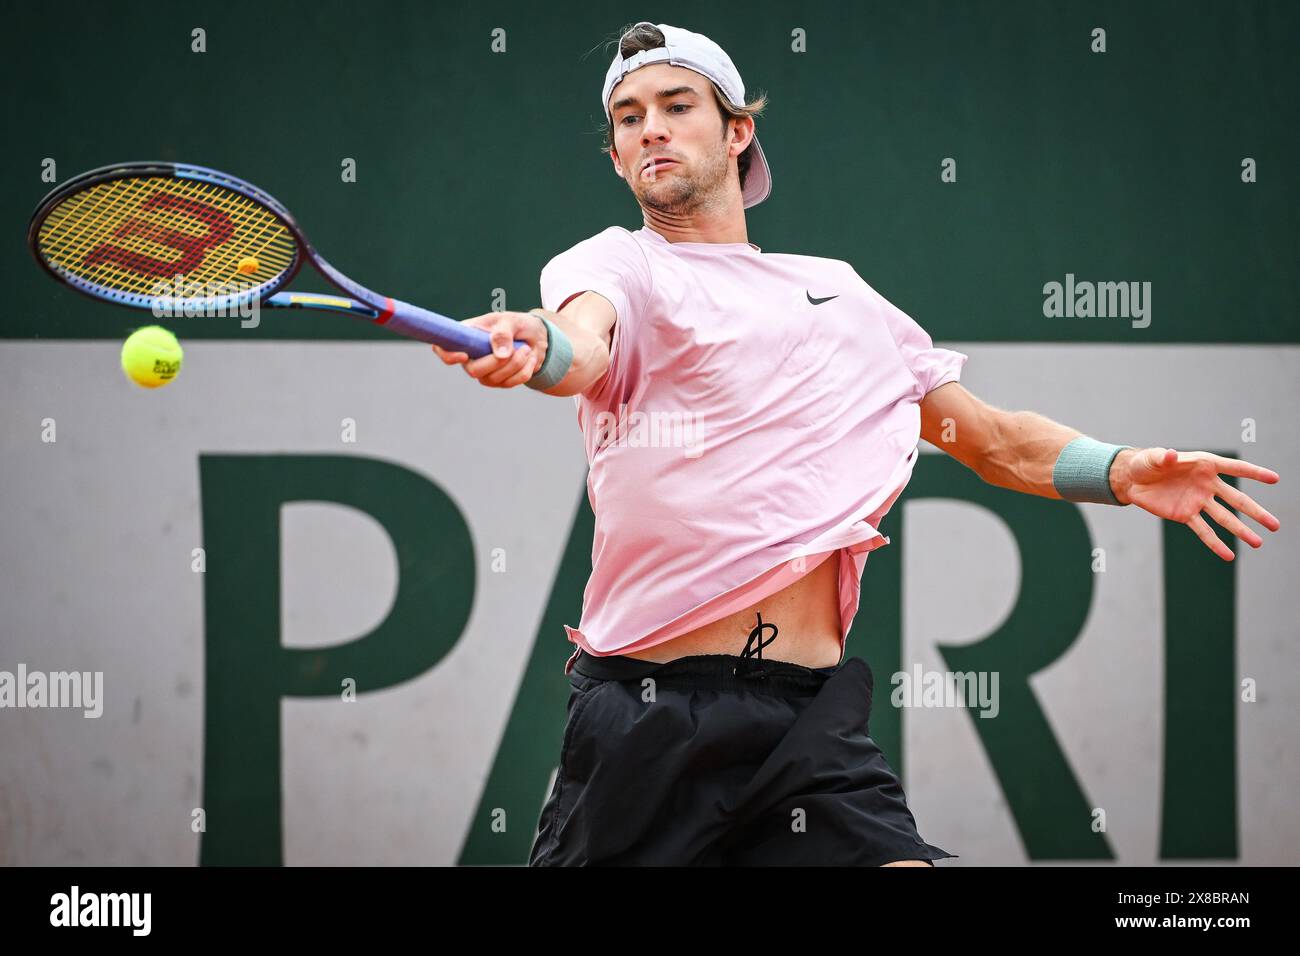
[{"x": 756, "y": 650}]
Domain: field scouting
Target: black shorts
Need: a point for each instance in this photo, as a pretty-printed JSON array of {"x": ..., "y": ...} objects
[{"x": 723, "y": 761}]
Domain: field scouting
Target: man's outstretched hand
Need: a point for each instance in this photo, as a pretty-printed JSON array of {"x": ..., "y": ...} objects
[
  {"x": 506, "y": 366},
  {"x": 1178, "y": 486}
]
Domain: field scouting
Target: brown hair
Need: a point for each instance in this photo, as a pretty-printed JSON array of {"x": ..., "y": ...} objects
[{"x": 647, "y": 37}]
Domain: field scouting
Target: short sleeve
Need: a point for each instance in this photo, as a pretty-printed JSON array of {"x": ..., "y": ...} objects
[
  {"x": 613, "y": 265},
  {"x": 930, "y": 366}
]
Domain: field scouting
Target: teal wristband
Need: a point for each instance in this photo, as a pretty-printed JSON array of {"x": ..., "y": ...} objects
[
  {"x": 559, "y": 357},
  {"x": 1082, "y": 471}
]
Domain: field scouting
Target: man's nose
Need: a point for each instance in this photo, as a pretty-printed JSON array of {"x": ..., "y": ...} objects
[{"x": 655, "y": 128}]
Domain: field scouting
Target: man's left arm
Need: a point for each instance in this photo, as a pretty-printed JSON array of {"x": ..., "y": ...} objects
[{"x": 1023, "y": 451}]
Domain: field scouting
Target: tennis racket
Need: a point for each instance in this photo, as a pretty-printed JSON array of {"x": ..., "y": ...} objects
[{"x": 184, "y": 240}]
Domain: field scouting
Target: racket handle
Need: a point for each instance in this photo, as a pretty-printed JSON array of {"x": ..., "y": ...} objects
[{"x": 425, "y": 326}]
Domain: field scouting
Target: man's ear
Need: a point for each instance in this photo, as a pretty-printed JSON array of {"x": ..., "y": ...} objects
[{"x": 742, "y": 123}]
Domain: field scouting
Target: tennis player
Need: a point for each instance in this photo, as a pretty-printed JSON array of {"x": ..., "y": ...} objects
[{"x": 749, "y": 419}]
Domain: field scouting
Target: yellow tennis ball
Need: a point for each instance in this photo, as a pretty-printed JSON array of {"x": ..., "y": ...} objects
[
  {"x": 151, "y": 356},
  {"x": 247, "y": 266}
]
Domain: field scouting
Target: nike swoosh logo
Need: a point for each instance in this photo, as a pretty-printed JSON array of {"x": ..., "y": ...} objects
[{"x": 819, "y": 301}]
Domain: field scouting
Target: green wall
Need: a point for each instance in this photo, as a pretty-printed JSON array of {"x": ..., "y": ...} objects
[{"x": 476, "y": 167}]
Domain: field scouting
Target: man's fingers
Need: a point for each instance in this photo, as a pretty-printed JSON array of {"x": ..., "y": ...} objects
[
  {"x": 1232, "y": 523},
  {"x": 509, "y": 368},
  {"x": 483, "y": 366},
  {"x": 450, "y": 358},
  {"x": 1246, "y": 504},
  {"x": 506, "y": 365},
  {"x": 500, "y": 327},
  {"x": 503, "y": 341},
  {"x": 1244, "y": 469},
  {"x": 524, "y": 374},
  {"x": 1208, "y": 537}
]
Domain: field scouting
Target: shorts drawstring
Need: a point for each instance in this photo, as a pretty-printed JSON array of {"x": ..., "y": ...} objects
[{"x": 754, "y": 651}]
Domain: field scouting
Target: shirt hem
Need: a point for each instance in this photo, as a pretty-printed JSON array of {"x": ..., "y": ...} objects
[{"x": 848, "y": 540}]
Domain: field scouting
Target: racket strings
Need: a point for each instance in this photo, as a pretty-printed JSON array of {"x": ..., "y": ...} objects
[{"x": 136, "y": 235}]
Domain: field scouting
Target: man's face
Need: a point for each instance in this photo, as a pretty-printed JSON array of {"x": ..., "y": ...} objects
[{"x": 663, "y": 112}]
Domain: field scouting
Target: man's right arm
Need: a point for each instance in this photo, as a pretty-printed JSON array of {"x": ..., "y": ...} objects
[{"x": 587, "y": 320}]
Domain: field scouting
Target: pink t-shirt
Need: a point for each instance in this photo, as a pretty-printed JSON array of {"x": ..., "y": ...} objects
[{"x": 759, "y": 416}]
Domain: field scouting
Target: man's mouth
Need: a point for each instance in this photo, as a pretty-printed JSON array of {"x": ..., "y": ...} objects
[{"x": 653, "y": 166}]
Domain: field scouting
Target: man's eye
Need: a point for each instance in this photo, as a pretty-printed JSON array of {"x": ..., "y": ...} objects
[{"x": 632, "y": 116}]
